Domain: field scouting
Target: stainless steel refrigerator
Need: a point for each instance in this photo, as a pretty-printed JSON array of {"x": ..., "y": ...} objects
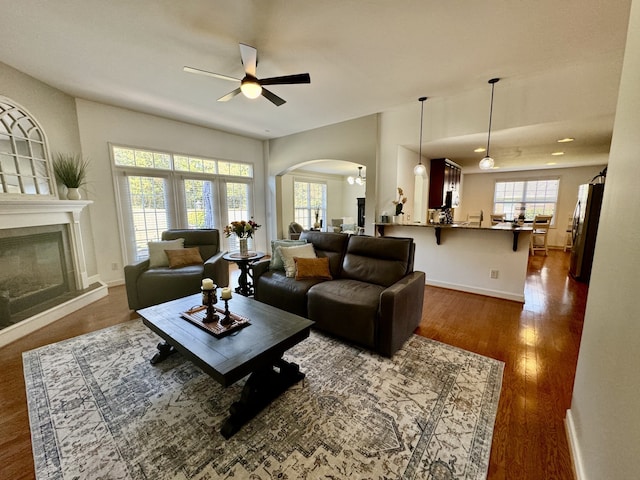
[{"x": 584, "y": 230}]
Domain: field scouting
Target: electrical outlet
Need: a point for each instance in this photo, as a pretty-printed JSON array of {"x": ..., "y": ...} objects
[
  {"x": 114, "y": 266},
  {"x": 493, "y": 273}
]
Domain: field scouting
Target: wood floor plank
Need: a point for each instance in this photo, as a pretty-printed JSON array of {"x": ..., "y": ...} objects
[{"x": 537, "y": 340}]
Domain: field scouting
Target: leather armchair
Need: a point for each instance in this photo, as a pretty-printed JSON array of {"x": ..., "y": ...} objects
[{"x": 150, "y": 286}]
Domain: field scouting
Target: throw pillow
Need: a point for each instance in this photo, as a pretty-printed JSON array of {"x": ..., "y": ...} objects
[
  {"x": 157, "y": 257},
  {"x": 276, "y": 260},
  {"x": 183, "y": 257},
  {"x": 287, "y": 254},
  {"x": 312, "y": 268}
]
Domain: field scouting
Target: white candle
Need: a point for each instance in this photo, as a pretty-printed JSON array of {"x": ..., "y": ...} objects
[
  {"x": 207, "y": 284},
  {"x": 226, "y": 293}
]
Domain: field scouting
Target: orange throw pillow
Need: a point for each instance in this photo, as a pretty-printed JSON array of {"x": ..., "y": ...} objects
[
  {"x": 183, "y": 257},
  {"x": 312, "y": 268}
]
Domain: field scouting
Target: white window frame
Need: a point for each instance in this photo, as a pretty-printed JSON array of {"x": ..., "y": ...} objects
[
  {"x": 43, "y": 179},
  {"x": 307, "y": 223},
  {"x": 176, "y": 197},
  {"x": 529, "y": 210}
]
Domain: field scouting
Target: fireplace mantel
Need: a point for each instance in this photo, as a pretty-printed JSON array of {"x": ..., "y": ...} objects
[
  {"x": 19, "y": 213},
  {"x": 20, "y": 208}
]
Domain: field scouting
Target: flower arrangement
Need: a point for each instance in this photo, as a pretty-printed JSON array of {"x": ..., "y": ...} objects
[
  {"x": 242, "y": 228},
  {"x": 399, "y": 203}
]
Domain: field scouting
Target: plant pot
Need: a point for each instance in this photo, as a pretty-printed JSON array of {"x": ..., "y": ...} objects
[
  {"x": 244, "y": 248},
  {"x": 73, "y": 193}
]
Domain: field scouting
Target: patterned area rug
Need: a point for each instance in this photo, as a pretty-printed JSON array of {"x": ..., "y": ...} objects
[{"x": 99, "y": 409}]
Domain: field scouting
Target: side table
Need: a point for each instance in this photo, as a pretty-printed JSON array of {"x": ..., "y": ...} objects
[{"x": 244, "y": 262}]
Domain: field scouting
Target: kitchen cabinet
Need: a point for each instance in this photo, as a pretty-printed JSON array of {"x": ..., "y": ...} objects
[{"x": 444, "y": 183}]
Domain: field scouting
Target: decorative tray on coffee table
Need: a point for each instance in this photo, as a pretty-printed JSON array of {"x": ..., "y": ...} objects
[{"x": 197, "y": 315}]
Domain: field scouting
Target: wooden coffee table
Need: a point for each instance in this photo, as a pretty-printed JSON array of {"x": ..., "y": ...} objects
[{"x": 254, "y": 350}]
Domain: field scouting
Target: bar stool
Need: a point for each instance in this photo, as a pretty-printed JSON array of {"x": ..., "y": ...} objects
[
  {"x": 568, "y": 241},
  {"x": 541, "y": 224}
]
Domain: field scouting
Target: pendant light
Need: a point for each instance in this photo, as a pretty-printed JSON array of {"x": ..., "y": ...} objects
[
  {"x": 487, "y": 162},
  {"x": 420, "y": 170},
  {"x": 359, "y": 180}
]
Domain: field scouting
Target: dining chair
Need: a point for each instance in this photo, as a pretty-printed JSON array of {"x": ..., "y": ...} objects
[
  {"x": 474, "y": 219},
  {"x": 541, "y": 224},
  {"x": 497, "y": 218}
]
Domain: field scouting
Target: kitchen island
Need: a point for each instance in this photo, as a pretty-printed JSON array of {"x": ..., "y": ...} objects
[{"x": 486, "y": 260}]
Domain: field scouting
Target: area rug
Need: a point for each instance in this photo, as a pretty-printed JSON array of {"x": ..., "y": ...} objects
[{"x": 99, "y": 410}]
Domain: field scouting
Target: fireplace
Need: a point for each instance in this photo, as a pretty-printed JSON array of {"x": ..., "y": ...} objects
[
  {"x": 43, "y": 272},
  {"x": 35, "y": 269}
]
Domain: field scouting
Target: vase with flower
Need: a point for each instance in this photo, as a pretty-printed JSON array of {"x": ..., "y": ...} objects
[{"x": 244, "y": 230}]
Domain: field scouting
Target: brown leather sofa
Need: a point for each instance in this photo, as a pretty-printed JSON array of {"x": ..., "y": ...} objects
[
  {"x": 374, "y": 298},
  {"x": 150, "y": 286}
]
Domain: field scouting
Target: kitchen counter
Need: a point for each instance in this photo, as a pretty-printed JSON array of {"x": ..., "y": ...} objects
[
  {"x": 488, "y": 260},
  {"x": 439, "y": 227}
]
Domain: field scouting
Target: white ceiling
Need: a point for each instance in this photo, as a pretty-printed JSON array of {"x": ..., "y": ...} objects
[{"x": 364, "y": 57}]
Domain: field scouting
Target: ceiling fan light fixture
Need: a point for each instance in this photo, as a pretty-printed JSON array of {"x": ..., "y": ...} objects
[
  {"x": 251, "y": 88},
  {"x": 487, "y": 162}
]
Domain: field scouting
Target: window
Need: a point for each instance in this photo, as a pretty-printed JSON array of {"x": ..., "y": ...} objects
[
  {"x": 24, "y": 159},
  {"x": 310, "y": 202},
  {"x": 534, "y": 197},
  {"x": 160, "y": 190}
]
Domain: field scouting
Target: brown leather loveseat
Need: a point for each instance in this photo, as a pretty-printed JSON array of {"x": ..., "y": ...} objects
[{"x": 374, "y": 298}]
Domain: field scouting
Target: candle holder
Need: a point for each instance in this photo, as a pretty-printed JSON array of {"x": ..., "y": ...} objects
[
  {"x": 209, "y": 299},
  {"x": 226, "y": 321}
]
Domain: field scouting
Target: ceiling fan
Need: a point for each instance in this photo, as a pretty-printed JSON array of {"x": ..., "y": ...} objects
[{"x": 250, "y": 85}]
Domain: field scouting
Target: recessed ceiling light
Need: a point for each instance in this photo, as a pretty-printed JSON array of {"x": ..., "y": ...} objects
[
  {"x": 480, "y": 149},
  {"x": 552, "y": 163},
  {"x": 557, "y": 154},
  {"x": 566, "y": 140}
]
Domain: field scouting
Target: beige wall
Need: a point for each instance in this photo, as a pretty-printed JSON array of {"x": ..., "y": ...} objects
[
  {"x": 477, "y": 194},
  {"x": 352, "y": 141},
  {"x": 341, "y": 197},
  {"x": 55, "y": 111},
  {"x": 604, "y": 419},
  {"x": 101, "y": 124}
]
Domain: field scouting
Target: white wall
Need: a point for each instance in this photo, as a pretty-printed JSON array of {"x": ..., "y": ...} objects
[
  {"x": 55, "y": 111},
  {"x": 604, "y": 419},
  {"x": 465, "y": 257},
  {"x": 352, "y": 141},
  {"x": 341, "y": 197},
  {"x": 466, "y": 114},
  {"x": 477, "y": 194},
  {"x": 101, "y": 124}
]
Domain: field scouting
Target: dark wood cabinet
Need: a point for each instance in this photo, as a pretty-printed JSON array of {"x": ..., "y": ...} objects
[
  {"x": 361, "y": 212},
  {"x": 444, "y": 183}
]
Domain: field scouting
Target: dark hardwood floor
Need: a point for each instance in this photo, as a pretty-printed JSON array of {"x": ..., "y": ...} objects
[{"x": 538, "y": 342}]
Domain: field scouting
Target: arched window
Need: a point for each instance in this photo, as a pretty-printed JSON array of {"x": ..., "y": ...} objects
[{"x": 24, "y": 158}]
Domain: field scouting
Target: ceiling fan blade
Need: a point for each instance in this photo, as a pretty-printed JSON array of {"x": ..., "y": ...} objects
[
  {"x": 249, "y": 57},
  {"x": 272, "y": 97},
  {"x": 286, "y": 79},
  {"x": 210, "y": 74},
  {"x": 230, "y": 95}
]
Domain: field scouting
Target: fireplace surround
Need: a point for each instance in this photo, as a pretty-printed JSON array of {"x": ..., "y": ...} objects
[{"x": 41, "y": 258}]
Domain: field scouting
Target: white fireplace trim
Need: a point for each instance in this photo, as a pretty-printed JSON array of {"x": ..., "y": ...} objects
[{"x": 39, "y": 212}]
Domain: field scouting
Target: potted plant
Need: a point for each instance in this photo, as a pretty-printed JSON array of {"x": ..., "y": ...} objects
[{"x": 71, "y": 170}]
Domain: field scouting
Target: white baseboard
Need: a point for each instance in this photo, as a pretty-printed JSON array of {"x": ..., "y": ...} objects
[
  {"x": 480, "y": 291},
  {"x": 574, "y": 449},
  {"x": 25, "y": 327}
]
